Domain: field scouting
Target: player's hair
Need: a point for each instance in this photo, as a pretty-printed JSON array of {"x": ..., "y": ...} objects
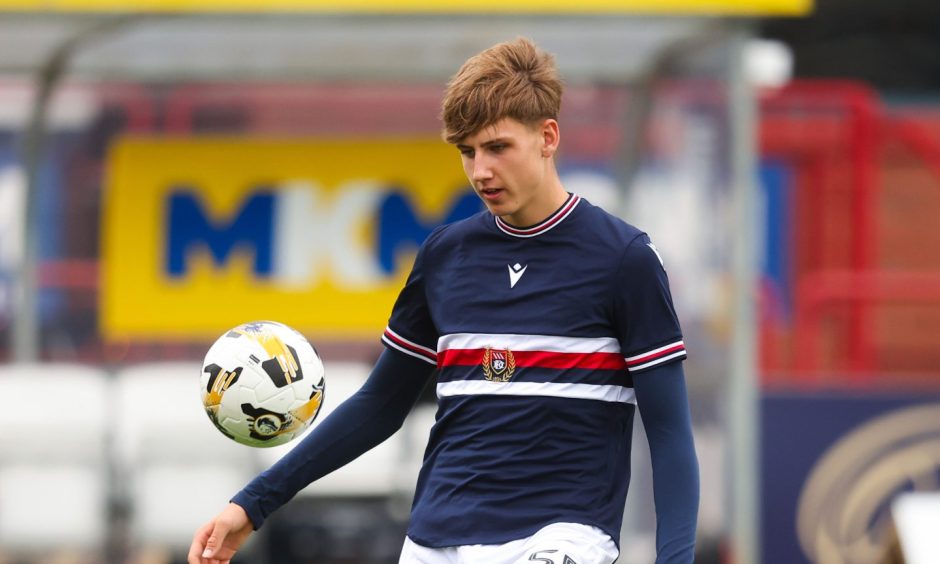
[{"x": 514, "y": 79}]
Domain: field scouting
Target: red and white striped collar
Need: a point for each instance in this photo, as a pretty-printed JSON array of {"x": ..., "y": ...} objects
[{"x": 544, "y": 225}]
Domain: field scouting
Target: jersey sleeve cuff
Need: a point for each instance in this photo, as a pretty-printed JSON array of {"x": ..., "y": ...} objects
[
  {"x": 393, "y": 340},
  {"x": 672, "y": 352},
  {"x": 248, "y": 503}
]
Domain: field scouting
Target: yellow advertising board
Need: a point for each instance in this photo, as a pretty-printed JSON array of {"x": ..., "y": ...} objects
[
  {"x": 678, "y": 7},
  {"x": 201, "y": 234}
]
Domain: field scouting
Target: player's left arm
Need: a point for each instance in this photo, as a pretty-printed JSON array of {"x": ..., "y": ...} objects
[
  {"x": 664, "y": 407},
  {"x": 651, "y": 339}
]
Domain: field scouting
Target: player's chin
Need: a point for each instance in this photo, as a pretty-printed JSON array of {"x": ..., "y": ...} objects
[{"x": 499, "y": 208}]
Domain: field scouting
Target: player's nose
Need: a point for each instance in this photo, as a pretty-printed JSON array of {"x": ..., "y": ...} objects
[{"x": 481, "y": 170}]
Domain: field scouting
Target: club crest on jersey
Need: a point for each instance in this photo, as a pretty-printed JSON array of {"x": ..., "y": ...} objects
[{"x": 498, "y": 365}]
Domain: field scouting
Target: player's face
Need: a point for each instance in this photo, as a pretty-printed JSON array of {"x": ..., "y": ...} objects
[{"x": 511, "y": 168}]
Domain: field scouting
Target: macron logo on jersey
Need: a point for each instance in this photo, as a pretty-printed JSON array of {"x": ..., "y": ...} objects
[{"x": 515, "y": 273}]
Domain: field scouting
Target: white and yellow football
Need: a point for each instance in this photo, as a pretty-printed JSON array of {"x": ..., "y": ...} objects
[{"x": 262, "y": 384}]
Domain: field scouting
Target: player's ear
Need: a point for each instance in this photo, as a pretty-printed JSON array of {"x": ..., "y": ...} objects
[{"x": 549, "y": 136}]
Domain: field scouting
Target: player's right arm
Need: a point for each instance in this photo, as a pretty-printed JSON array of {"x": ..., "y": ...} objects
[
  {"x": 360, "y": 423},
  {"x": 371, "y": 415}
]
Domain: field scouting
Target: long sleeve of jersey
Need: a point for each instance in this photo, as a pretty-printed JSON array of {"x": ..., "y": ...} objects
[
  {"x": 663, "y": 404},
  {"x": 365, "y": 420}
]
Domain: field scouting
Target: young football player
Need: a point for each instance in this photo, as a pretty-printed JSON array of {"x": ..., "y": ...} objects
[{"x": 550, "y": 322}]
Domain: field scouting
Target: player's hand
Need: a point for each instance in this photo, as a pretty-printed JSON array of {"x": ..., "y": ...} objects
[{"x": 216, "y": 541}]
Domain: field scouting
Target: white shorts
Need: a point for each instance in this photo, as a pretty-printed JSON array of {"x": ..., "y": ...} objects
[{"x": 558, "y": 543}]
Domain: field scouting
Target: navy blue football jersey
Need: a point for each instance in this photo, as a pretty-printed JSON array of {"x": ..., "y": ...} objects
[{"x": 536, "y": 333}]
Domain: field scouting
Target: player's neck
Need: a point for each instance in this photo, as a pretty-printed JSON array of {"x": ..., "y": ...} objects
[{"x": 540, "y": 207}]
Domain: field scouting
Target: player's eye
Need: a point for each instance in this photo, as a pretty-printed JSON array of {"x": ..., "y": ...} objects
[
  {"x": 467, "y": 153},
  {"x": 498, "y": 147}
]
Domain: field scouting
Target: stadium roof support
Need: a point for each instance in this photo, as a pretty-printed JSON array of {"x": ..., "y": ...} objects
[{"x": 160, "y": 48}]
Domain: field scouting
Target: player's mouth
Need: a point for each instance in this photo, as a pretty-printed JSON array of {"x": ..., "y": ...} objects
[{"x": 491, "y": 193}]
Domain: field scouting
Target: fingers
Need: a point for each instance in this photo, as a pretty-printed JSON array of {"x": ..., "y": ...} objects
[
  {"x": 199, "y": 544},
  {"x": 206, "y": 542},
  {"x": 216, "y": 539}
]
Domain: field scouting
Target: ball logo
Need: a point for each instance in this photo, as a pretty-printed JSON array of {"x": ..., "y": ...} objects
[
  {"x": 842, "y": 516},
  {"x": 264, "y": 425},
  {"x": 498, "y": 365}
]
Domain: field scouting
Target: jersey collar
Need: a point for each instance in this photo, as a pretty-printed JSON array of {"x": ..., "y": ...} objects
[{"x": 544, "y": 225}]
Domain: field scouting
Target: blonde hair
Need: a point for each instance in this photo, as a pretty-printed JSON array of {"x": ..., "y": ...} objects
[{"x": 514, "y": 79}]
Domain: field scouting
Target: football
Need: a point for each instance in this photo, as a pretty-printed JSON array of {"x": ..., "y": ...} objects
[{"x": 262, "y": 384}]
